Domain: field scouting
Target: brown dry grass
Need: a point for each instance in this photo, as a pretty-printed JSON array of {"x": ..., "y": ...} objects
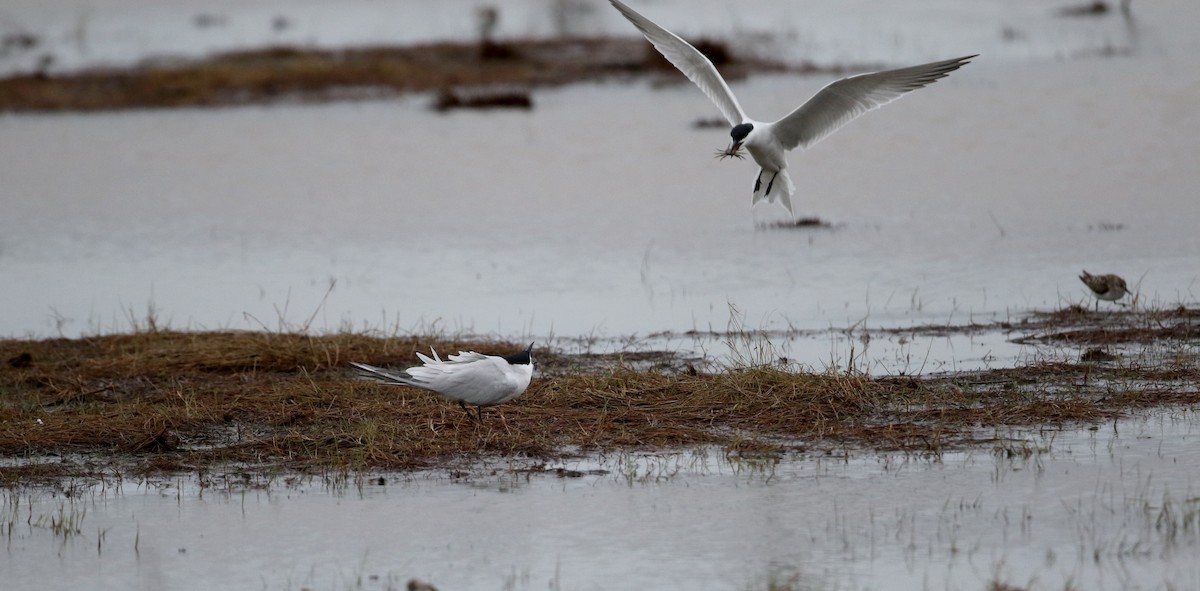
[
  {"x": 309, "y": 74},
  {"x": 170, "y": 401},
  {"x": 1077, "y": 325}
]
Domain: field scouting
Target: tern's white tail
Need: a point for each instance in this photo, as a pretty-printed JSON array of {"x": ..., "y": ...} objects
[{"x": 779, "y": 185}]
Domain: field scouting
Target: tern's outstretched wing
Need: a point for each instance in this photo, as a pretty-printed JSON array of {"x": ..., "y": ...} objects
[
  {"x": 840, "y": 102},
  {"x": 690, "y": 61}
]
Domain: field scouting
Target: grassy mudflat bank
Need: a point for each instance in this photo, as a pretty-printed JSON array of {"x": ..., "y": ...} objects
[
  {"x": 162, "y": 401},
  {"x": 292, "y": 73}
]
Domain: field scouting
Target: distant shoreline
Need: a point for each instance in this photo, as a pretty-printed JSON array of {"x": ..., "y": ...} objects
[{"x": 282, "y": 74}]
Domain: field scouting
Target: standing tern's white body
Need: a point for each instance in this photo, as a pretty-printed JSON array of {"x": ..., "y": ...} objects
[
  {"x": 832, "y": 107},
  {"x": 468, "y": 378}
]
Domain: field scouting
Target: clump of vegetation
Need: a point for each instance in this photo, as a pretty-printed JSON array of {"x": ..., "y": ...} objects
[
  {"x": 172, "y": 400},
  {"x": 291, "y": 73},
  {"x": 158, "y": 400}
]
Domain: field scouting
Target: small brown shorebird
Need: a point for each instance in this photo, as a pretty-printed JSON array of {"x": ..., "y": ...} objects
[{"x": 1109, "y": 287}]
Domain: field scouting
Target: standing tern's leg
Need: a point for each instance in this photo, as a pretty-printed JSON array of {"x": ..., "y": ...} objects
[{"x": 466, "y": 410}]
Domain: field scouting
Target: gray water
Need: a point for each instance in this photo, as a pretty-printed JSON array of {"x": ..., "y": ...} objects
[
  {"x": 601, "y": 217},
  {"x": 1114, "y": 507}
]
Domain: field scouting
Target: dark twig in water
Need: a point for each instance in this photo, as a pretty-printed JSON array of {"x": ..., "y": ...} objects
[{"x": 724, "y": 153}]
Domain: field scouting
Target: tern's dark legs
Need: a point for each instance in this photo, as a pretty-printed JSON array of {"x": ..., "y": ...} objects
[
  {"x": 758, "y": 182},
  {"x": 478, "y": 410}
]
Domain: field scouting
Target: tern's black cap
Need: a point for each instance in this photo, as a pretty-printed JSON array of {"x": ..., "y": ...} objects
[
  {"x": 521, "y": 358},
  {"x": 740, "y": 131}
]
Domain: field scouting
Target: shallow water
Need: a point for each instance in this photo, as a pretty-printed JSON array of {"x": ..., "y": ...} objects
[
  {"x": 600, "y": 219},
  {"x": 1109, "y": 508}
]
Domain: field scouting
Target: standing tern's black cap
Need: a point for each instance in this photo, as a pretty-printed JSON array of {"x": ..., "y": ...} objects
[{"x": 521, "y": 358}]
